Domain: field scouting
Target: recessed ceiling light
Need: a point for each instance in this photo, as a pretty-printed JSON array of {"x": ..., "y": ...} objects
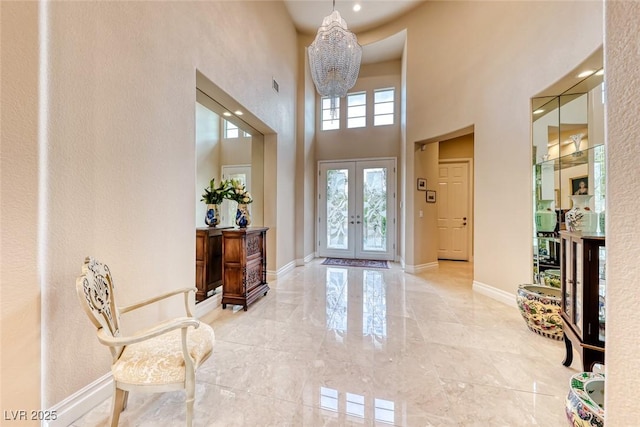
[
  {"x": 538, "y": 111},
  {"x": 238, "y": 113},
  {"x": 226, "y": 114},
  {"x": 585, "y": 73},
  {"x": 357, "y": 7},
  {"x": 600, "y": 73}
]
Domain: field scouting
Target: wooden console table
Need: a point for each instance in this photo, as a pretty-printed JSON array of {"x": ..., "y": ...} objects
[
  {"x": 208, "y": 261},
  {"x": 244, "y": 265}
]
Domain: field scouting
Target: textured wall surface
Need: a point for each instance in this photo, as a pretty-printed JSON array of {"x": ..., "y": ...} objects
[
  {"x": 19, "y": 201},
  {"x": 622, "y": 62},
  {"x": 119, "y": 158},
  {"x": 482, "y": 69}
]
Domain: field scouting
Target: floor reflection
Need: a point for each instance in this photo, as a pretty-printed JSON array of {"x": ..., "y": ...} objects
[
  {"x": 372, "y": 305},
  {"x": 356, "y": 405},
  {"x": 336, "y": 346}
]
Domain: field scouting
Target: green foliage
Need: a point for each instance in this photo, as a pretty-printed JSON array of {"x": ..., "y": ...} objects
[{"x": 215, "y": 195}]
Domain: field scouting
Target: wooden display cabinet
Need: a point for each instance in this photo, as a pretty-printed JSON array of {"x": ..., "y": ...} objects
[
  {"x": 244, "y": 266},
  {"x": 208, "y": 261},
  {"x": 582, "y": 265}
]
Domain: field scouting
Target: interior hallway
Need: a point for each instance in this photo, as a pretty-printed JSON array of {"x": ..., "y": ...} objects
[{"x": 333, "y": 346}]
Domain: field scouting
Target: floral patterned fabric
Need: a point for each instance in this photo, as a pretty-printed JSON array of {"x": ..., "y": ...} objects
[{"x": 160, "y": 360}]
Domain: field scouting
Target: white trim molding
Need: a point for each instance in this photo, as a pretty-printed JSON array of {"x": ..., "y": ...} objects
[
  {"x": 275, "y": 275},
  {"x": 81, "y": 402},
  {"x": 414, "y": 269},
  {"x": 495, "y": 293},
  {"x": 307, "y": 259},
  {"x": 207, "y": 306}
]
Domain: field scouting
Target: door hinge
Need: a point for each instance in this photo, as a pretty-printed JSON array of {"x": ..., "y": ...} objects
[
  {"x": 318, "y": 242},
  {"x": 589, "y": 255}
]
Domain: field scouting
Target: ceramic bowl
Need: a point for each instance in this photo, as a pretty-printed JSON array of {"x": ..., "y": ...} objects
[
  {"x": 586, "y": 389},
  {"x": 540, "y": 308},
  {"x": 595, "y": 391}
]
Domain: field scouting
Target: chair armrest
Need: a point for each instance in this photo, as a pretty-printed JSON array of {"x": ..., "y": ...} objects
[
  {"x": 146, "y": 302},
  {"x": 162, "y": 328}
]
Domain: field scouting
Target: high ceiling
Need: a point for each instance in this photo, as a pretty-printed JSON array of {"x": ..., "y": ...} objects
[{"x": 307, "y": 16}]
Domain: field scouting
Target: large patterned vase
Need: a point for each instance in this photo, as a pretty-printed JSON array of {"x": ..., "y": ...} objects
[
  {"x": 580, "y": 217},
  {"x": 545, "y": 216},
  {"x": 213, "y": 215},
  {"x": 540, "y": 308},
  {"x": 243, "y": 219}
]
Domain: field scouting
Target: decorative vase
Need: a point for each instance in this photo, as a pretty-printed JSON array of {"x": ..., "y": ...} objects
[
  {"x": 540, "y": 309},
  {"x": 243, "y": 219},
  {"x": 584, "y": 404},
  {"x": 580, "y": 217},
  {"x": 545, "y": 216},
  {"x": 213, "y": 215}
]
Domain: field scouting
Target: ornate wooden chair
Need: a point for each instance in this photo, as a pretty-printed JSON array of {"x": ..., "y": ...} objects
[{"x": 161, "y": 358}]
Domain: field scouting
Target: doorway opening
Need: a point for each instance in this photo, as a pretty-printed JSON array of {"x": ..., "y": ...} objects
[
  {"x": 356, "y": 209},
  {"x": 455, "y": 198}
]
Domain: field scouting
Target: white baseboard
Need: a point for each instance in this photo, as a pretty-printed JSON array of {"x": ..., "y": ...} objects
[
  {"x": 81, "y": 402},
  {"x": 305, "y": 260},
  {"x": 274, "y": 275},
  {"x": 207, "y": 306},
  {"x": 495, "y": 293},
  {"x": 413, "y": 269}
]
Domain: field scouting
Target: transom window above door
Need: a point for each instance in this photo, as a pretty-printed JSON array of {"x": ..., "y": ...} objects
[{"x": 357, "y": 115}]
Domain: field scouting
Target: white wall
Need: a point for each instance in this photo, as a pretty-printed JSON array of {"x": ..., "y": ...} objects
[
  {"x": 622, "y": 62},
  {"x": 482, "y": 69},
  {"x": 21, "y": 212},
  {"x": 119, "y": 174}
]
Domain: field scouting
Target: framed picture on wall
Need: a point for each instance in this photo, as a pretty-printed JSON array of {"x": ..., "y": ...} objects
[
  {"x": 579, "y": 185},
  {"x": 422, "y": 184},
  {"x": 431, "y": 196}
]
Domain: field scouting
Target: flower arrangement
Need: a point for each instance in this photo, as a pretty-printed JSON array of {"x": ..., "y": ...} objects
[
  {"x": 215, "y": 195},
  {"x": 239, "y": 193}
]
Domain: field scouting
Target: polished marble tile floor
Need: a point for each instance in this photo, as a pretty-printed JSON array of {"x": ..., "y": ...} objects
[{"x": 335, "y": 346}]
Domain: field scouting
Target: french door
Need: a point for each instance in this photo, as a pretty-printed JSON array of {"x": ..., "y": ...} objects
[{"x": 356, "y": 209}]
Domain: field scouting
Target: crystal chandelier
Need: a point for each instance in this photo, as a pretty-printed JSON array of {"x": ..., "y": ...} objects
[{"x": 334, "y": 58}]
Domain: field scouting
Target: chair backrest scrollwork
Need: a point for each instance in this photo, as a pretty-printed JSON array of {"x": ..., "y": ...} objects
[{"x": 96, "y": 293}]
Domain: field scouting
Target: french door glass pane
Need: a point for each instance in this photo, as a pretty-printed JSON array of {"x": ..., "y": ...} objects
[
  {"x": 337, "y": 208},
  {"x": 374, "y": 209}
]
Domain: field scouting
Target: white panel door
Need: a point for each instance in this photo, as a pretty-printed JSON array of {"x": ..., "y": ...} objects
[
  {"x": 356, "y": 215},
  {"x": 453, "y": 211}
]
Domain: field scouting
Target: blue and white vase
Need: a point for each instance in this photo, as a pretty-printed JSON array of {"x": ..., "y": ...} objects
[
  {"x": 213, "y": 215},
  {"x": 243, "y": 219}
]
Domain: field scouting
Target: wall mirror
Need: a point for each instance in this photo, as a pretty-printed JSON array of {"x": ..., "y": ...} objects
[
  {"x": 226, "y": 148},
  {"x": 568, "y": 156}
]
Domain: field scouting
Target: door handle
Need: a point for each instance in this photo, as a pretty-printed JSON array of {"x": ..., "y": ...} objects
[
  {"x": 357, "y": 222},
  {"x": 350, "y": 222}
]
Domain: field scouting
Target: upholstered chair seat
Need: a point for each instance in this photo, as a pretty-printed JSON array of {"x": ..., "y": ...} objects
[{"x": 161, "y": 358}]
